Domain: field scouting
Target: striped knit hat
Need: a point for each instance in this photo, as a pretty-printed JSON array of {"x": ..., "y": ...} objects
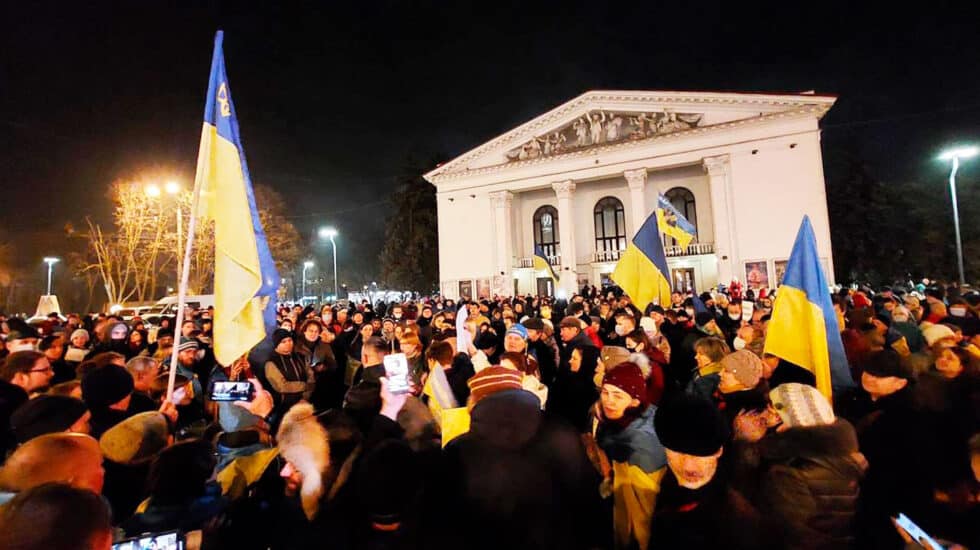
[
  {"x": 491, "y": 380},
  {"x": 801, "y": 405}
]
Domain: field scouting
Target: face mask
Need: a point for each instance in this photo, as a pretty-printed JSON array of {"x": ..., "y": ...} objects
[
  {"x": 620, "y": 331},
  {"x": 398, "y": 316},
  {"x": 734, "y": 316},
  {"x": 739, "y": 343},
  {"x": 957, "y": 312},
  {"x": 690, "y": 311}
]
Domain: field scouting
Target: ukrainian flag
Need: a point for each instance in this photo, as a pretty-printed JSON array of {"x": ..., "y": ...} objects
[
  {"x": 542, "y": 263},
  {"x": 673, "y": 224},
  {"x": 803, "y": 328},
  {"x": 642, "y": 269},
  {"x": 245, "y": 276}
]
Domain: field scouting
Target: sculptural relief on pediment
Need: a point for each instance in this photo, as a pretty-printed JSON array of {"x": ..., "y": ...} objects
[{"x": 603, "y": 127}]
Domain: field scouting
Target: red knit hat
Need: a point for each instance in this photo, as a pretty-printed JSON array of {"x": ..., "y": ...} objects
[
  {"x": 629, "y": 378},
  {"x": 860, "y": 300},
  {"x": 493, "y": 379}
]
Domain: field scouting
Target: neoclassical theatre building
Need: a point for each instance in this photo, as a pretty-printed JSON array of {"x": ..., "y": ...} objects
[{"x": 579, "y": 180}]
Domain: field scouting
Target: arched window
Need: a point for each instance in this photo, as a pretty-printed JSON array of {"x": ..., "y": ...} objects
[
  {"x": 610, "y": 225},
  {"x": 546, "y": 230},
  {"x": 683, "y": 201}
]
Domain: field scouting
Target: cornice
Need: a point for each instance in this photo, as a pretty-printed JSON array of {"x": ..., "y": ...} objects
[{"x": 441, "y": 174}]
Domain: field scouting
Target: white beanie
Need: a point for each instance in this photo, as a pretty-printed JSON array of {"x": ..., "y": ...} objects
[{"x": 800, "y": 405}]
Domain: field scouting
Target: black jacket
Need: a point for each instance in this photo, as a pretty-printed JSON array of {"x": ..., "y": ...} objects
[
  {"x": 518, "y": 479},
  {"x": 11, "y": 397},
  {"x": 810, "y": 484}
]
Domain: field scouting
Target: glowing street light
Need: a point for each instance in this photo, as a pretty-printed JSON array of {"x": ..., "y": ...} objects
[
  {"x": 955, "y": 155},
  {"x": 172, "y": 187},
  {"x": 331, "y": 233},
  {"x": 152, "y": 190},
  {"x": 50, "y": 261}
]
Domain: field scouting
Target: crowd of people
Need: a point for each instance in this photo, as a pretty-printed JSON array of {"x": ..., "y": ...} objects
[{"x": 580, "y": 423}]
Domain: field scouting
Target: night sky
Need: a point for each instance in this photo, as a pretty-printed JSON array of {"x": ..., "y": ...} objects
[{"x": 334, "y": 98}]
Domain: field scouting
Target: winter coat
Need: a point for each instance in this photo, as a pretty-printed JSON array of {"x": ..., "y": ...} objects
[
  {"x": 545, "y": 354},
  {"x": 705, "y": 381},
  {"x": 518, "y": 479},
  {"x": 153, "y": 518},
  {"x": 638, "y": 463},
  {"x": 290, "y": 379},
  {"x": 711, "y": 517},
  {"x": 573, "y": 393},
  {"x": 810, "y": 484},
  {"x": 899, "y": 440},
  {"x": 12, "y": 396}
]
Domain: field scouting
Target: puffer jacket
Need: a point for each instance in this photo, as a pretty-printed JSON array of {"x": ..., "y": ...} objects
[{"x": 810, "y": 484}]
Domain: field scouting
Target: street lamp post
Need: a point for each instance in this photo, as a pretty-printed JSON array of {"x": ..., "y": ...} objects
[
  {"x": 50, "y": 261},
  {"x": 955, "y": 155},
  {"x": 331, "y": 233},
  {"x": 306, "y": 265}
]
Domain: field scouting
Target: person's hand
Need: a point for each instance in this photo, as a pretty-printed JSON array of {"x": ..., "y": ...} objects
[
  {"x": 238, "y": 366},
  {"x": 391, "y": 403},
  {"x": 261, "y": 404},
  {"x": 168, "y": 409},
  {"x": 749, "y": 426}
]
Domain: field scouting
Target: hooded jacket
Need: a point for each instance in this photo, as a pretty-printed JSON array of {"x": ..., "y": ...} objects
[
  {"x": 573, "y": 393},
  {"x": 517, "y": 479},
  {"x": 811, "y": 484}
]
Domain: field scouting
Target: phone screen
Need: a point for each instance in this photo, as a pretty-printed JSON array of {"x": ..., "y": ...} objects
[
  {"x": 396, "y": 370},
  {"x": 171, "y": 540},
  {"x": 227, "y": 390},
  {"x": 916, "y": 532}
]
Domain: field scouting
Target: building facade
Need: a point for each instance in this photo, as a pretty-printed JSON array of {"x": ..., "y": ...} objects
[{"x": 578, "y": 181}]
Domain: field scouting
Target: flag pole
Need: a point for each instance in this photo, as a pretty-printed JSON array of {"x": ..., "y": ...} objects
[{"x": 184, "y": 276}]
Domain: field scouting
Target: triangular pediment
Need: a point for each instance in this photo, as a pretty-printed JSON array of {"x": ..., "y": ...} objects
[{"x": 605, "y": 119}]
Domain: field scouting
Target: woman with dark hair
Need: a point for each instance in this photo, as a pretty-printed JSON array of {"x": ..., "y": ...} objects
[
  {"x": 137, "y": 344},
  {"x": 180, "y": 493}
]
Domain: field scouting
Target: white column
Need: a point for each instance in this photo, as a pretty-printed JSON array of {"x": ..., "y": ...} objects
[
  {"x": 637, "y": 181},
  {"x": 719, "y": 171},
  {"x": 565, "y": 191},
  {"x": 503, "y": 224}
]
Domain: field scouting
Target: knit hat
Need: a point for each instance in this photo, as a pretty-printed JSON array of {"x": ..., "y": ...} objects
[
  {"x": 105, "y": 385},
  {"x": 517, "y": 330},
  {"x": 937, "y": 332},
  {"x": 612, "y": 356},
  {"x": 887, "y": 364},
  {"x": 690, "y": 425},
  {"x": 79, "y": 332},
  {"x": 629, "y": 378},
  {"x": 136, "y": 440},
  {"x": 800, "y": 405},
  {"x": 188, "y": 343},
  {"x": 533, "y": 323},
  {"x": 492, "y": 380},
  {"x": 745, "y": 366},
  {"x": 46, "y": 414},
  {"x": 279, "y": 335}
]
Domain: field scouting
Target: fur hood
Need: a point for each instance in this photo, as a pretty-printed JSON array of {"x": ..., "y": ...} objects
[
  {"x": 831, "y": 440},
  {"x": 304, "y": 443}
]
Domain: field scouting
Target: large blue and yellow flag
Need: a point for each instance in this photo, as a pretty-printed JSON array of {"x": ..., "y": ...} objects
[
  {"x": 542, "y": 263},
  {"x": 803, "y": 328},
  {"x": 642, "y": 269},
  {"x": 673, "y": 224},
  {"x": 245, "y": 276}
]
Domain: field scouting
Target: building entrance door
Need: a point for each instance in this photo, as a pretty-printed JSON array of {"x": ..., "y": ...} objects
[
  {"x": 682, "y": 279},
  {"x": 546, "y": 286}
]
